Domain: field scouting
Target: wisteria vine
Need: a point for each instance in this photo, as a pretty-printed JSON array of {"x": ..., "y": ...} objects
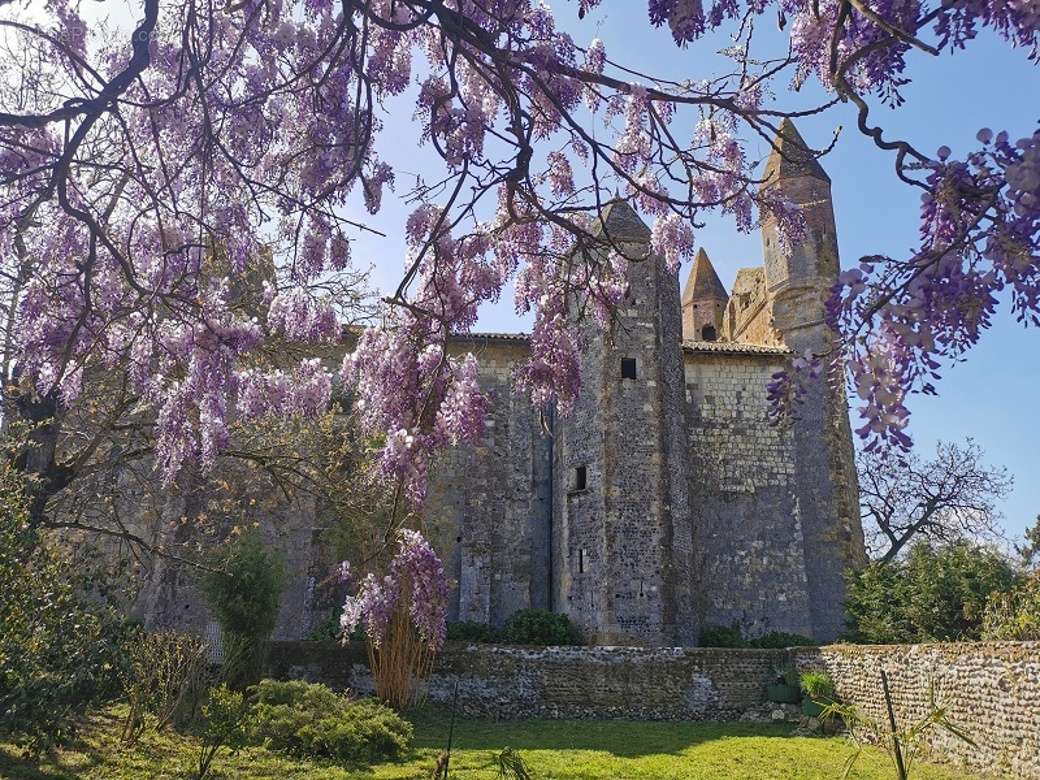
[{"x": 175, "y": 199}]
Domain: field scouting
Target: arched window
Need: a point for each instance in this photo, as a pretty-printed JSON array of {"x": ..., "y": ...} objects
[{"x": 708, "y": 333}]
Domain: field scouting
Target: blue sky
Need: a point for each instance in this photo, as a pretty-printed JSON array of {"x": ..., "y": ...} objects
[{"x": 991, "y": 396}]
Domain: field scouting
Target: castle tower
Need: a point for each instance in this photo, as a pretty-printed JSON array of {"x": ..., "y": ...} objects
[
  {"x": 622, "y": 542},
  {"x": 799, "y": 280},
  {"x": 703, "y": 301}
]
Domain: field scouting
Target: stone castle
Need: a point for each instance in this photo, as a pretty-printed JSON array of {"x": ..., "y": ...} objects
[{"x": 667, "y": 500}]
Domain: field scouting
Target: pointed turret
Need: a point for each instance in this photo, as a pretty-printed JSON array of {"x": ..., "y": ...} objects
[
  {"x": 792, "y": 157},
  {"x": 621, "y": 223},
  {"x": 799, "y": 278},
  {"x": 703, "y": 301}
]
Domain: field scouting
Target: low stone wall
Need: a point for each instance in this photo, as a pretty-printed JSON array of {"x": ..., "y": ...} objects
[
  {"x": 502, "y": 681},
  {"x": 991, "y": 689}
]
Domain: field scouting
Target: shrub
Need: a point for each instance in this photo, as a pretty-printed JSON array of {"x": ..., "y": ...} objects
[
  {"x": 540, "y": 627},
  {"x": 61, "y": 634},
  {"x": 325, "y": 630},
  {"x": 778, "y": 640},
  {"x": 243, "y": 589},
  {"x": 817, "y": 686},
  {"x": 472, "y": 631},
  {"x": 165, "y": 680},
  {"x": 721, "y": 636},
  {"x": 311, "y": 720},
  {"x": 224, "y": 714},
  {"x": 1014, "y": 615},
  {"x": 787, "y": 675},
  {"x": 937, "y": 594}
]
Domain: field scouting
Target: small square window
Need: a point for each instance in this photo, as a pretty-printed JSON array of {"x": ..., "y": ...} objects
[
  {"x": 628, "y": 368},
  {"x": 580, "y": 478}
]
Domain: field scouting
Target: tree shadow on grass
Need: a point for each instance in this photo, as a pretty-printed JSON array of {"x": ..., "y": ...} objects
[
  {"x": 95, "y": 745},
  {"x": 621, "y": 738}
]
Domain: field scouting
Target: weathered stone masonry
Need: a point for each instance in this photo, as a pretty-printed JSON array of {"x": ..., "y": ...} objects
[
  {"x": 667, "y": 500},
  {"x": 992, "y": 689}
]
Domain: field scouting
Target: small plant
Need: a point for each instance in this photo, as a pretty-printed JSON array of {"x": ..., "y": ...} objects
[
  {"x": 165, "y": 680},
  {"x": 243, "y": 590},
  {"x": 778, "y": 640},
  {"x": 224, "y": 716},
  {"x": 818, "y": 686},
  {"x": 903, "y": 745},
  {"x": 784, "y": 688},
  {"x": 511, "y": 766},
  {"x": 472, "y": 631},
  {"x": 307, "y": 719},
  {"x": 721, "y": 636},
  {"x": 540, "y": 627},
  {"x": 325, "y": 630}
]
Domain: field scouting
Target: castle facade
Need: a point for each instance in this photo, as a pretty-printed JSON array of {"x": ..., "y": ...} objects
[{"x": 667, "y": 500}]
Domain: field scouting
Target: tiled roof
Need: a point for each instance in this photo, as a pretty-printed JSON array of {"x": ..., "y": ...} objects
[
  {"x": 734, "y": 348},
  {"x": 520, "y": 338}
]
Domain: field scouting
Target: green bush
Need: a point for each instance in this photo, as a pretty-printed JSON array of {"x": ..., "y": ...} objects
[
  {"x": 1014, "y": 615},
  {"x": 306, "y": 719},
  {"x": 540, "y": 627},
  {"x": 325, "y": 630},
  {"x": 787, "y": 675},
  {"x": 62, "y": 635},
  {"x": 224, "y": 717},
  {"x": 472, "y": 631},
  {"x": 721, "y": 636},
  {"x": 778, "y": 640},
  {"x": 243, "y": 589},
  {"x": 818, "y": 686},
  {"x": 164, "y": 682},
  {"x": 937, "y": 594},
  {"x": 731, "y": 636}
]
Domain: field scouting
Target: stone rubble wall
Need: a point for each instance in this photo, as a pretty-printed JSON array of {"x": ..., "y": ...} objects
[{"x": 991, "y": 689}]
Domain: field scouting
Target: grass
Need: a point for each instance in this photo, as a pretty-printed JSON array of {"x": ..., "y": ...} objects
[{"x": 552, "y": 749}]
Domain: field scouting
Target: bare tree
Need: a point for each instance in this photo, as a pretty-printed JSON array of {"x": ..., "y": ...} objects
[{"x": 950, "y": 497}]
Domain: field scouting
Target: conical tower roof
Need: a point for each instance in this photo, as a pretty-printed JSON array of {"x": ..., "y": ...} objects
[
  {"x": 703, "y": 282},
  {"x": 621, "y": 222},
  {"x": 792, "y": 157}
]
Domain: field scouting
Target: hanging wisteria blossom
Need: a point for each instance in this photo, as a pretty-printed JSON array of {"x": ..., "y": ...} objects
[{"x": 184, "y": 192}]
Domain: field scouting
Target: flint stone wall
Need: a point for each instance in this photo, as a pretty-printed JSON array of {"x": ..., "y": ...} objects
[{"x": 992, "y": 689}]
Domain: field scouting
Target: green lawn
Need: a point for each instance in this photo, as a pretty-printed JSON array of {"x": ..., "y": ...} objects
[{"x": 552, "y": 749}]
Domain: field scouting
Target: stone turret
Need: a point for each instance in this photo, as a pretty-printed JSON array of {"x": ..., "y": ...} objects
[
  {"x": 621, "y": 519},
  {"x": 799, "y": 280},
  {"x": 703, "y": 301}
]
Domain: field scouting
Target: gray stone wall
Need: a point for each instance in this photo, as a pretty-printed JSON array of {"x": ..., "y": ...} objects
[
  {"x": 624, "y": 538},
  {"x": 747, "y": 517},
  {"x": 488, "y": 508},
  {"x": 992, "y": 689}
]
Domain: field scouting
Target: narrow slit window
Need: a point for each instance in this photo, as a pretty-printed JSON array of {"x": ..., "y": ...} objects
[
  {"x": 628, "y": 368},
  {"x": 580, "y": 478},
  {"x": 581, "y": 561}
]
